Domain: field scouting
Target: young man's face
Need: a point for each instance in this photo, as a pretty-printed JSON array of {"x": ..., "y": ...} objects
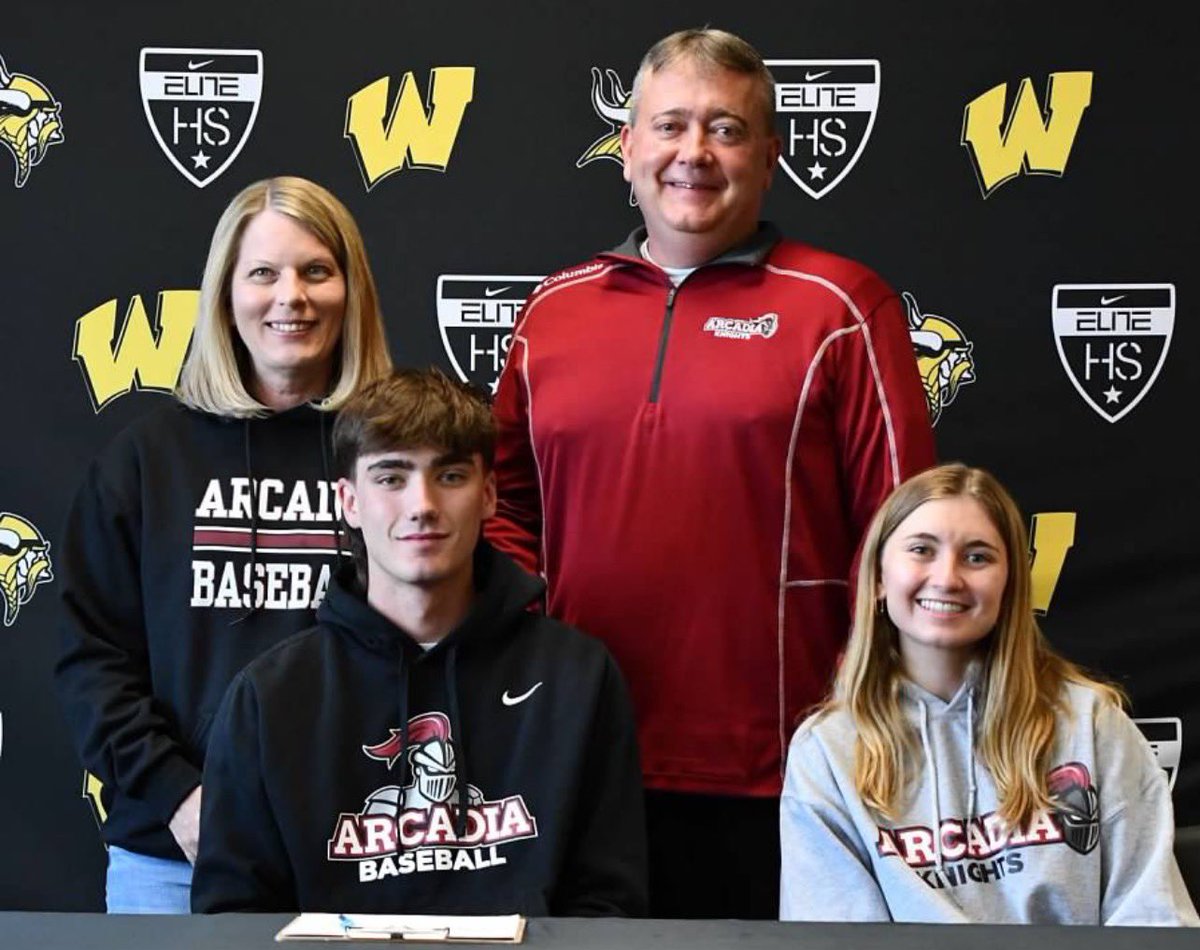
[{"x": 420, "y": 512}]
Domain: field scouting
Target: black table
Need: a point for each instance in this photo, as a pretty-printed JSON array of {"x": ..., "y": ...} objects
[{"x": 19, "y": 931}]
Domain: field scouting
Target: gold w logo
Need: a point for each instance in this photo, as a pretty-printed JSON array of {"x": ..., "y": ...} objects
[
  {"x": 1051, "y": 536},
  {"x": 144, "y": 355},
  {"x": 1030, "y": 142},
  {"x": 413, "y": 135},
  {"x": 93, "y": 793}
]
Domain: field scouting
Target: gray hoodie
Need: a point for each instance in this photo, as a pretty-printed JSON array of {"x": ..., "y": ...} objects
[{"x": 1102, "y": 856}]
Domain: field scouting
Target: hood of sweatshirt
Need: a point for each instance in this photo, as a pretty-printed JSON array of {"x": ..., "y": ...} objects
[{"x": 503, "y": 591}]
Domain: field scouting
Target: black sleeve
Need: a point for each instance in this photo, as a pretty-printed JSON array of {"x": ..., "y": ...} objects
[
  {"x": 242, "y": 864},
  {"x": 103, "y": 671},
  {"x": 604, "y": 873}
]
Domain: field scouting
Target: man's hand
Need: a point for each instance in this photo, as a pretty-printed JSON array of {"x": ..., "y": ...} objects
[{"x": 185, "y": 825}]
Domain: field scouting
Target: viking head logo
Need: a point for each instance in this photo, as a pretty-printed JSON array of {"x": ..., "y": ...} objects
[
  {"x": 1076, "y": 805},
  {"x": 943, "y": 356},
  {"x": 611, "y": 105},
  {"x": 24, "y": 563},
  {"x": 29, "y": 120}
]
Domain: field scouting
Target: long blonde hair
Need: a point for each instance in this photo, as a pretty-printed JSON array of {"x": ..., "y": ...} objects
[
  {"x": 213, "y": 375},
  {"x": 1021, "y": 680}
]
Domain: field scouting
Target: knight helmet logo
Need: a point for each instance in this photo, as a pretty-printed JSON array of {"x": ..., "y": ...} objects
[
  {"x": 1076, "y": 805},
  {"x": 431, "y": 760},
  {"x": 824, "y": 111},
  {"x": 1031, "y": 142},
  {"x": 1112, "y": 341},
  {"x": 944, "y": 356},
  {"x": 24, "y": 563},
  {"x": 29, "y": 120},
  {"x": 476, "y": 315},
  {"x": 201, "y": 105}
]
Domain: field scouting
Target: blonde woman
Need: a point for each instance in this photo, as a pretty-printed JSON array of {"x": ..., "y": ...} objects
[
  {"x": 962, "y": 771},
  {"x": 207, "y": 531}
]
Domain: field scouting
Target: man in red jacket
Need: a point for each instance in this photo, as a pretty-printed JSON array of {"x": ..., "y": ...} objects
[{"x": 695, "y": 429}]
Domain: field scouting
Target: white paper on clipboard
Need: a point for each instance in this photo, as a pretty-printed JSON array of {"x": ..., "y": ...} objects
[{"x": 409, "y": 928}]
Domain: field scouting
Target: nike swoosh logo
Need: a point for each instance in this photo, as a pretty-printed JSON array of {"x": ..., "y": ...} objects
[
  {"x": 490, "y": 292},
  {"x": 810, "y": 77},
  {"x": 514, "y": 700},
  {"x": 1105, "y": 301},
  {"x": 204, "y": 62}
]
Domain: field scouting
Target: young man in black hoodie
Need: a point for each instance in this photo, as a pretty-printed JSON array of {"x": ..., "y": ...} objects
[{"x": 431, "y": 746}]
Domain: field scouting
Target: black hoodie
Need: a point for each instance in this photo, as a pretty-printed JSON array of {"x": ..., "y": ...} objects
[
  {"x": 337, "y": 761},
  {"x": 195, "y": 543}
]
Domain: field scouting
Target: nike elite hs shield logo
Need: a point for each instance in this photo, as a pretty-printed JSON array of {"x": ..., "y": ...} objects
[{"x": 514, "y": 700}]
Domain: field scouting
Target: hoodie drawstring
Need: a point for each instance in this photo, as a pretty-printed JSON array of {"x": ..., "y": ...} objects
[
  {"x": 931, "y": 767},
  {"x": 404, "y": 688},
  {"x": 972, "y": 785},
  {"x": 254, "y": 604},
  {"x": 325, "y": 472},
  {"x": 456, "y": 742}
]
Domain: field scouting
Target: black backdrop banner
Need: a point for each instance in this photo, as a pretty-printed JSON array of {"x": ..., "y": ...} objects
[{"x": 1019, "y": 170}]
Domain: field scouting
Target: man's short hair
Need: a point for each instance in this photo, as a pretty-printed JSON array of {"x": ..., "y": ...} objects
[
  {"x": 708, "y": 49},
  {"x": 413, "y": 409}
]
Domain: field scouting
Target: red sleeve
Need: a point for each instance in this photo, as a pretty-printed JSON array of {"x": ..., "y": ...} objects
[
  {"x": 884, "y": 423},
  {"x": 516, "y": 528}
]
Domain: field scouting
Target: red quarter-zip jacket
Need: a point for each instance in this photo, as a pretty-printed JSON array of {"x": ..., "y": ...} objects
[{"x": 692, "y": 468}]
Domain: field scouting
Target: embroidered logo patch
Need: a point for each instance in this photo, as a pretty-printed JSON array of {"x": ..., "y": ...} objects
[{"x": 736, "y": 328}]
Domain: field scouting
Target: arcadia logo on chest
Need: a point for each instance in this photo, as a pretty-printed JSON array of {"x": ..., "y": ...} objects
[
  {"x": 264, "y": 543},
  {"x": 421, "y": 826}
]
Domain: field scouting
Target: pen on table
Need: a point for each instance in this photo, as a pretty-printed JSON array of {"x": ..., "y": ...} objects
[{"x": 349, "y": 924}]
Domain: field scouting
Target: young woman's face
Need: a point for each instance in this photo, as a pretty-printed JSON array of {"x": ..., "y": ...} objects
[{"x": 942, "y": 575}]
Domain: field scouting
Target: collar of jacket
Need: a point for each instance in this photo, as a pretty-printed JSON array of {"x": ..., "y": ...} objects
[
  {"x": 502, "y": 593},
  {"x": 751, "y": 252}
]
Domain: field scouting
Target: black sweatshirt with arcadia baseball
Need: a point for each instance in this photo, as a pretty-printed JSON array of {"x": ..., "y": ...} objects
[
  {"x": 349, "y": 770},
  {"x": 195, "y": 543}
]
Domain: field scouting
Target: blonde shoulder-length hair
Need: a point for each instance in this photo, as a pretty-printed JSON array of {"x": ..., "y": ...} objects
[
  {"x": 214, "y": 375},
  {"x": 1021, "y": 679}
]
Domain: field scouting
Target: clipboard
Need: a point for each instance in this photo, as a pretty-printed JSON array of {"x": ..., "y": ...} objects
[{"x": 407, "y": 928}]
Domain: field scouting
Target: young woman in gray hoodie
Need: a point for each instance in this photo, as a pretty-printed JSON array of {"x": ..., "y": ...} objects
[{"x": 962, "y": 771}]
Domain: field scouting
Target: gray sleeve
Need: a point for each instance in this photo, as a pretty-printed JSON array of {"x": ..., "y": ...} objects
[
  {"x": 1140, "y": 880},
  {"x": 825, "y": 870}
]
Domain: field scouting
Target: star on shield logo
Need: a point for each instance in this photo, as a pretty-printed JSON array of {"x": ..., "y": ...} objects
[
  {"x": 1165, "y": 736},
  {"x": 476, "y": 315},
  {"x": 824, "y": 111},
  {"x": 201, "y": 105},
  {"x": 1112, "y": 340}
]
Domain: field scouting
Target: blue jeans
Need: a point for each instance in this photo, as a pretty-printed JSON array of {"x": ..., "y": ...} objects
[{"x": 143, "y": 884}]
